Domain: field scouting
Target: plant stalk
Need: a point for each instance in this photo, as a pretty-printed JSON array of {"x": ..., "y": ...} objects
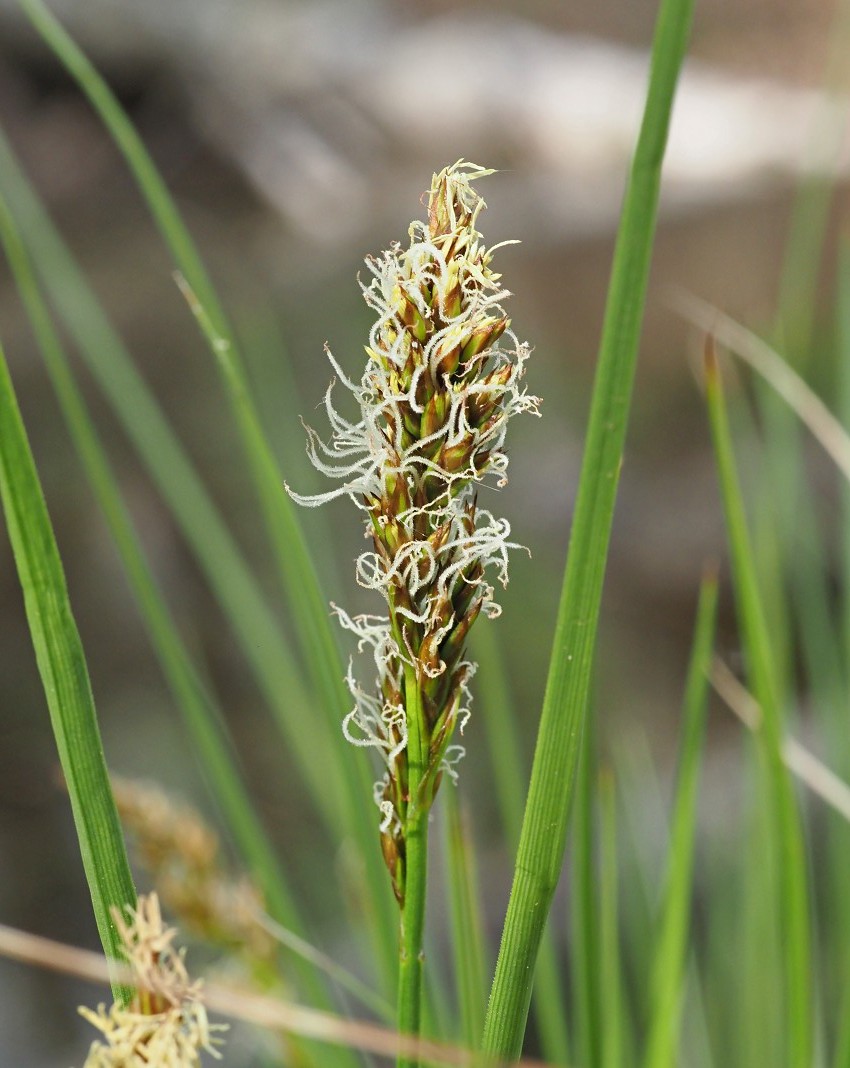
[{"x": 416, "y": 869}]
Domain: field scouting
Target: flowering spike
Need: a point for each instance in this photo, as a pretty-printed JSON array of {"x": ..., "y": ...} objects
[
  {"x": 166, "y": 1023},
  {"x": 441, "y": 381}
]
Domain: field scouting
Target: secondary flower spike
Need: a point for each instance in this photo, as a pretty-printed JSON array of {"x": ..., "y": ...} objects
[
  {"x": 442, "y": 379},
  {"x": 166, "y": 1023}
]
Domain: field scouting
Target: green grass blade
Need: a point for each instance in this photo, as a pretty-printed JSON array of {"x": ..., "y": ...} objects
[
  {"x": 612, "y": 1037},
  {"x": 785, "y": 824},
  {"x": 466, "y": 921},
  {"x": 315, "y": 633},
  {"x": 509, "y": 778},
  {"x": 809, "y": 222},
  {"x": 841, "y": 1056},
  {"x": 759, "y": 967},
  {"x": 669, "y": 965},
  {"x": 218, "y": 555},
  {"x": 299, "y": 578},
  {"x": 839, "y": 872},
  {"x": 843, "y": 405},
  {"x": 62, "y": 666},
  {"x": 585, "y": 911},
  {"x": 541, "y": 849},
  {"x": 203, "y": 719}
]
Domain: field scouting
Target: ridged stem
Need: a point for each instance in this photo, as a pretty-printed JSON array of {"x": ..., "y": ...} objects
[{"x": 416, "y": 869}]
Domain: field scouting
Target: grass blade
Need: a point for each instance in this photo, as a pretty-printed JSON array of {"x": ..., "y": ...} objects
[
  {"x": 669, "y": 965},
  {"x": 841, "y": 1055},
  {"x": 218, "y": 555},
  {"x": 467, "y": 933},
  {"x": 611, "y": 1006},
  {"x": 843, "y": 404},
  {"x": 541, "y": 848},
  {"x": 62, "y": 666},
  {"x": 309, "y": 607},
  {"x": 203, "y": 719},
  {"x": 509, "y": 777},
  {"x": 315, "y": 633},
  {"x": 784, "y": 820},
  {"x": 585, "y": 912}
]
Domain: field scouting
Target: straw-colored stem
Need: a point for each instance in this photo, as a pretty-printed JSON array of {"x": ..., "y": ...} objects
[{"x": 416, "y": 869}]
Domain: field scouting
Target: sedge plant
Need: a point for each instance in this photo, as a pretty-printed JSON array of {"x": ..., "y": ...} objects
[
  {"x": 443, "y": 375},
  {"x": 442, "y": 379}
]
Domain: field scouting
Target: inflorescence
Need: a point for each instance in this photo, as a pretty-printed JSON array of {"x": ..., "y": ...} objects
[
  {"x": 166, "y": 1023},
  {"x": 442, "y": 380}
]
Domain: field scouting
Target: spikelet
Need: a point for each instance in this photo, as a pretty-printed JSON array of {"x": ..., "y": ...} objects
[
  {"x": 442, "y": 379},
  {"x": 182, "y": 855},
  {"x": 166, "y": 1023}
]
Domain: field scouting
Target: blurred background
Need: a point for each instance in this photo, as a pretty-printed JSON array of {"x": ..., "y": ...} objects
[{"x": 297, "y": 138}]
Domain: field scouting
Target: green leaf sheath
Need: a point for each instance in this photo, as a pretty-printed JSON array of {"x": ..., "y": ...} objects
[
  {"x": 543, "y": 836},
  {"x": 62, "y": 666}
]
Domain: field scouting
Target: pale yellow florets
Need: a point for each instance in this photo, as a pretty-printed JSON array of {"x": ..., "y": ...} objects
[{"x": 166, "y": 1023}]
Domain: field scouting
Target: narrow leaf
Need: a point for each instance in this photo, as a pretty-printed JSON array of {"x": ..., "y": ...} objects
[
  {"x": 541, "y": 848},
  {"x": 62, "y": 666},
  {"x": 668, "y": 977},
  {"x": 298, "y": 572},
  {"x": 585, "y": 911},
  {"x": 509, "y": 776},
  {"x": 785, "y": 823},
  {"x": 612, "y": 1036},
  {"x": 466, "y": 921},
  {"x": 204, "y": 721}
]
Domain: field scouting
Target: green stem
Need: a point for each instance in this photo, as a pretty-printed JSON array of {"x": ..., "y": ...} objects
[{"x": 416, "y": 868}]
